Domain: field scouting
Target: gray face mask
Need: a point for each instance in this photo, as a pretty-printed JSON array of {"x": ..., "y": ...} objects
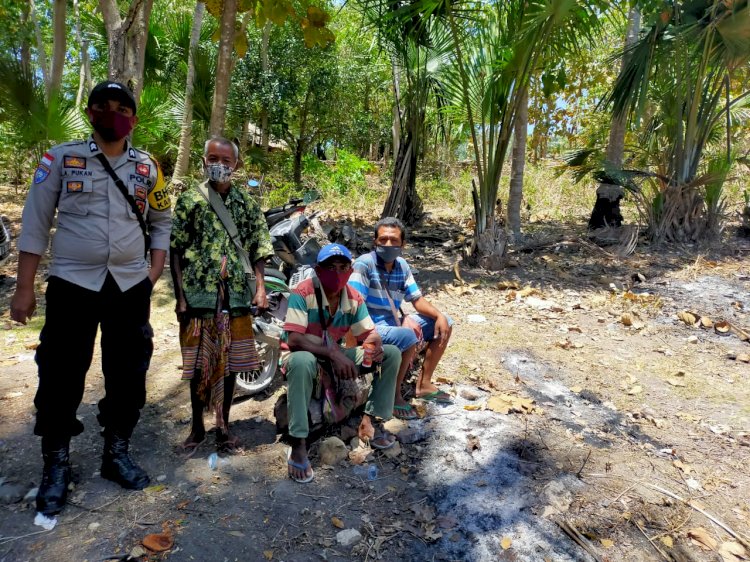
[{"x": 388, "y": 253}]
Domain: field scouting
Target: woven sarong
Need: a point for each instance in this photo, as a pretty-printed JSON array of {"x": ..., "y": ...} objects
[{"x": 212, "y": 348}]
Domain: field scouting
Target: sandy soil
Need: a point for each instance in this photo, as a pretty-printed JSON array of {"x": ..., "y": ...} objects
[{"x": 565, "y": 418}]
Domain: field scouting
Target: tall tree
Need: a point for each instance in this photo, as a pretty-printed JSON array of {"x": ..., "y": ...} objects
[
  {"x": 606, "y": 211},
  {"x": 41, "y": 52},
  {"x": 223, "y": 67},
  {"x": 58, "y": 46},
  {"x": 183, "y": 151},
  {"x": 127, "y": 37},
  {"x": 84, "y": 72},
  {"x": 518, "y": 164}
]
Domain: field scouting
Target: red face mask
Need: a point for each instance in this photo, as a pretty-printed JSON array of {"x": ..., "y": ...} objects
[
  {"x": 111, "y": 125},
  {"x": 333, "y": 281}
]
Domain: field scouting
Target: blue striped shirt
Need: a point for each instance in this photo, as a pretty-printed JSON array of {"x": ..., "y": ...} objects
[{"x": 368, "y": 278}]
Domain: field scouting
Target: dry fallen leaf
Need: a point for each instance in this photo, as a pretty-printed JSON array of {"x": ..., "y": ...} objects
[
  {"x": 472, "y": 407},
  {"x": 505, "y": 285},
  {"x": 744, "y": 358},
  {"x": 688, "y": 318},
  {"x": 268, "y": 554},
  {"x": 676, "y": 382},
  {"x": 506, "y": 542},
  {"x": 686, "y": 468},
  {"x": 700, "y": 537},
  {"x": 627, "y": 319},
  {"x": 237, "y": 533},
  {"x": 637, "y": 389},
  {"x": 158, "y": 542},
  {"x": 732, "y": 551},
  {"x": 337, "y": 522},
  {"x": 667, "y": 541},
  {"x": 576, "y": 389},
  {"x": 505, "y": 404},
  {"x": 607, "y": 543},
  {"x": 706, "y": 322},
  {"x": 722, "y": 327},
  {"x": 528, "y": 291}
]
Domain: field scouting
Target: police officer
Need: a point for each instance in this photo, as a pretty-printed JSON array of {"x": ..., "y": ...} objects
[{"x": 98, "y": 277}]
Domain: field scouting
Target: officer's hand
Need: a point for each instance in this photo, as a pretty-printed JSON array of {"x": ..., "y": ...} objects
[
  {"x": 23, "y": 305},
  {"x": 343, "y": 367},
  {"x": 153, "y": 276},
  {"x": 260, "y": 300}
]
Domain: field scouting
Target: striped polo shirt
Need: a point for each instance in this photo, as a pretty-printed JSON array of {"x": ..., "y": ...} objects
[
  {"x": 302, "y": 315},
  {"x": 368, "y": 279}
]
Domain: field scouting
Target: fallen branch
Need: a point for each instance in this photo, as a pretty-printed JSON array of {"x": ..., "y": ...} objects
[
  {"x": 578, "y": 538},
  {"x": 690, "y": 503},
  {"x": 578, "y": 474},
  {"x": 652, "y": 542}
]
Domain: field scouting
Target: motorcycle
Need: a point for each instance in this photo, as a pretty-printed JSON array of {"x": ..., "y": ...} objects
[{"x": 292, "y": 262}]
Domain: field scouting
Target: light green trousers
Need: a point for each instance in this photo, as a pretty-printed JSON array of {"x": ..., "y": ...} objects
[{"x": 302, "y": 372}]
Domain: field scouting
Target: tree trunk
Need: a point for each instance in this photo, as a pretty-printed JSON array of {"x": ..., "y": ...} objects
[
  {"x": 265, "y": 67},
  {"x": 84, "y": 74},
  {"x": 186, "y": 130},
  {"x": 518, "y": 163},
  {"x": 25, "y": 46},
  {"x": 299, "y": 148},
  {"x": 396, "y": 127},
  {"x": 403, "y": 200},
  {"x": 223, "y": 68},
  {"x": 58, "y": 47},
  {"x": 127, "y": 39},
  {"x": 606, "y": 210},
  {"x": 41, "y": 53}
]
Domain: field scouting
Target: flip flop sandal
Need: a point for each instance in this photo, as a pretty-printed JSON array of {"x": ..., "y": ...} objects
[
  {"x": 405, "y": 412},
  {"x": 303, "y": 467},
  {"x": 189, "y": 449},
  {"x": 439, "y": 397}
]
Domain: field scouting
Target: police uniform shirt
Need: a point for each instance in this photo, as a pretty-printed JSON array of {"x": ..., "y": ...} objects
[{"x": 97, "y": 231}]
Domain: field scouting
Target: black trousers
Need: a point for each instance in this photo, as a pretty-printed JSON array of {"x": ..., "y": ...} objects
[{"x": 67, "y": 346}]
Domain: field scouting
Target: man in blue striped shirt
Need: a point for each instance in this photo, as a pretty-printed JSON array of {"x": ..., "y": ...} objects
[{"x": 385, "y": 280}]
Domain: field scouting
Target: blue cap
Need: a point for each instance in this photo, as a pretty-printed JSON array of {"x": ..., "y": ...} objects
[{"x": 334, "y": 250}]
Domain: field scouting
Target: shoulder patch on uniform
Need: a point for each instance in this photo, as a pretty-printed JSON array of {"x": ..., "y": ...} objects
[
  {"x": 131, "y": 153},
  {"x": 143, "y": 169},
  {"x": 78, "y": 162},
  {"x": 93, "y": 147},
  {"x": 158, "y": 198},
  {"x": 47, "y": 159},
  {"x": 41, "y": 173}
]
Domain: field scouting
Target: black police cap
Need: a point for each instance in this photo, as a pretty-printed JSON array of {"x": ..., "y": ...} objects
[{"x": 109, "y": 90}]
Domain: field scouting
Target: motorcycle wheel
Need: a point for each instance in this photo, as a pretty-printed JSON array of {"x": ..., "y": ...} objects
[{"x": 254, "y": 382}]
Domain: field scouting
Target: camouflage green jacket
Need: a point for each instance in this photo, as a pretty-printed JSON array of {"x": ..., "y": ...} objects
[{"x": 202, "y": 241}]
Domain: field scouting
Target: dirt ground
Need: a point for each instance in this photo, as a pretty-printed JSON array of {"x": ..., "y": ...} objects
[{"x": 591, "y": 423}]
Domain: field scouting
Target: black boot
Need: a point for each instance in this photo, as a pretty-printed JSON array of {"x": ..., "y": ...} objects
[
  {"x": 53, "y": 491},
  {"x": 119, "y": 467}
]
